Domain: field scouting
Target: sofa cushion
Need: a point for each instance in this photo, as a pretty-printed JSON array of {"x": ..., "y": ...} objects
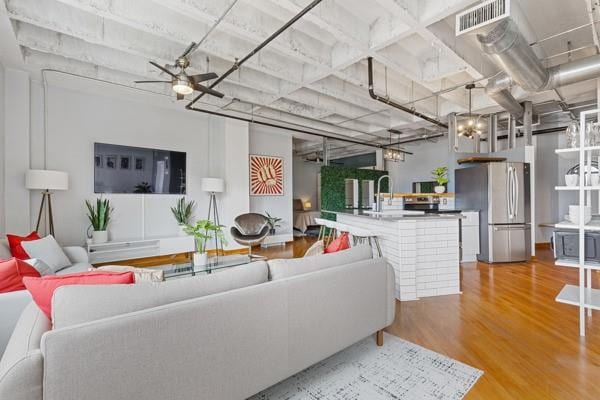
[
  {"x": 317, "y": 248},
  {"x": 49, "y": 251},
  {"x": 141, "y": 274},
  {"x": 77, "y": 267},
  {"x": 42, "y": 289},
  {"x": 16, "y": 244},
  {"x": 4, "y": 250},
  {"x": 21, "y": 367},
  {"x": 40, "y": 266},
  {"x": 76, "y": 304},
  {"x": 340, "y": 243},
  {"x": 284, "y": 268},
  {"x": 12, "y": 272}
]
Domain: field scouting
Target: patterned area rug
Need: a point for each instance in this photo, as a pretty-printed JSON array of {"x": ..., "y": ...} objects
[{"x": 398, "y": 370}]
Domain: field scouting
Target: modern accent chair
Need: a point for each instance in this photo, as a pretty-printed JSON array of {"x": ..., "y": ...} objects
[{"x": 250, "y": 229}]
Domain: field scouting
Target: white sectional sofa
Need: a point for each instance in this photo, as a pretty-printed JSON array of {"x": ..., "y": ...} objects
[
  {"x": 12, "y": 304},
  {"x": 223, "y": 336}
]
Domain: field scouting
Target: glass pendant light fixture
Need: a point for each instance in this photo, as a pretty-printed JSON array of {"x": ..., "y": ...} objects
[
  {"x": 391, "y": 154},
  {"x": 471, "y": 126}
]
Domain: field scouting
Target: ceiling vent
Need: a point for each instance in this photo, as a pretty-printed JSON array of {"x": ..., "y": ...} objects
[{"x": 482, "y": 15}]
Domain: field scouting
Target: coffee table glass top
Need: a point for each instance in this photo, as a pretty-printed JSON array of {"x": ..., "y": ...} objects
[{"x": 214, "y": 264}]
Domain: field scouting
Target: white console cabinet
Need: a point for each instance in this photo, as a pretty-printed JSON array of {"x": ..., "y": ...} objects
[{"x": 119, "y": 250}]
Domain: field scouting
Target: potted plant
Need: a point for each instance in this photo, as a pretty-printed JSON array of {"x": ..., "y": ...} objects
[
  {"x": 203, "y": 231},
  {"x": 440, "y": 175},
  {"x": 182, "y": 213},
  {"x": 273, "y": 223},
  {"x": 99, "y": 216}
]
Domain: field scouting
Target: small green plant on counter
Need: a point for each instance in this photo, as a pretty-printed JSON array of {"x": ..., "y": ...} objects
[
  {"x": 183, "y": 211},
  {"x": 440, "y": 175},
  {"x": 203, "y": 231},
  {"x": 99, "y": 215}
]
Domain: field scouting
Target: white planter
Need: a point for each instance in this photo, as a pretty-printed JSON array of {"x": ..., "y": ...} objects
[
  {"x": 182, "y": 230},
  {"x": 439, "y": 189},
  {"x": 200, "y": 259},
  {"x": 99, "y": 237}
]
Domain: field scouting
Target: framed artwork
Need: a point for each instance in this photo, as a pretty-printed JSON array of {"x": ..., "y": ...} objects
[
  {"x": 266, "y": 175},
  {"x": 125, "y": 162},
  {"x": 139, "y": 163},
  {"x": 111, "y": 162},
  {"x": 98, "y": 161}
]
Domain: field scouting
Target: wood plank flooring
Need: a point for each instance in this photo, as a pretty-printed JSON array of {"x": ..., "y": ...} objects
[{"x": 507, "y": 324}]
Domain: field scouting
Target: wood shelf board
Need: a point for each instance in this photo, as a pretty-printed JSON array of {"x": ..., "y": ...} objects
[
  {"x": 575, "y": 264},
  {"x": 573, "y": 152},
  {"x": 468, "y": 160},
  {"x": 590, "y": 226},
  {"x": 576, "y": 188}
]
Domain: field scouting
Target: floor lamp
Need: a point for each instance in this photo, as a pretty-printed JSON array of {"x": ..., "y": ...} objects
[
  {"x": 214, "y": 186},
  {"x": 46, "y": 180}
]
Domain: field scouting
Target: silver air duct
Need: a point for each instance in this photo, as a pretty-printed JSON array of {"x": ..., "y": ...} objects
[{"x": 510, "y": 51}]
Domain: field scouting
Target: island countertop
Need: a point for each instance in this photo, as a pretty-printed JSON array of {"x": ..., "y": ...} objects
[{"x": 391, "y": 217}]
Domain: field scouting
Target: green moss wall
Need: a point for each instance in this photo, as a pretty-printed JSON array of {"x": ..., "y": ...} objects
[{"x": 333, "y": 186}]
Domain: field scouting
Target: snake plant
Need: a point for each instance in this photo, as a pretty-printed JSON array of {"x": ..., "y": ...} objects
[{"x": 99, "y": 215}]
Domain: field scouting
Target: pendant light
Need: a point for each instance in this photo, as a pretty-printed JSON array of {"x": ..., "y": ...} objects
[{"x": 472, "y": 126}]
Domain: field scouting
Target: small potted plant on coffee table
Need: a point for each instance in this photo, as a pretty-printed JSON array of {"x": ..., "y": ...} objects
[
  {"x": 183, "y": 212},
  {"x": 203, "y": 231},
  {"x": 440, "y": 175}
]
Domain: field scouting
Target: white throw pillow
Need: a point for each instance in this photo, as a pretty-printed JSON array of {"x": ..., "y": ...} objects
[
  {"x": 317, "y": 248},
  {"x": 40, "y": 266},
  {"x": 49, "y": 251}
]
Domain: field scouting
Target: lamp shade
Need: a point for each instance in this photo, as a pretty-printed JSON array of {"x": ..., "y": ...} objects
[
  {"x": 45, "y": 179},
  {"x": 215, "y": 185}
]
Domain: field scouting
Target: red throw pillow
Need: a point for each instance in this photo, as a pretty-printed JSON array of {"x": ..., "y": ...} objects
[
  {"x": 12, "y": 273},
  {"x": 42, "y": 289},
  {"x": 14, "y": 242},
  {"x": 342, "y": 242}
]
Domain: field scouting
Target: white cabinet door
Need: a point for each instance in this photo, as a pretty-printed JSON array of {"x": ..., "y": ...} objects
[{"x": 470, "y": 243}]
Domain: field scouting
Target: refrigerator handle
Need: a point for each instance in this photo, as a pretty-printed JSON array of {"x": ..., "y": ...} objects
[
  {"x": 516, "y": 192},
  {"x": 509, "y": 196}
]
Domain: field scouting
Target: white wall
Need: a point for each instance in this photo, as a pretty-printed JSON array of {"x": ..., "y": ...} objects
[
  {"x": 2, "y": 121},
  {"x": 81, "y": 112},
  {"x": 418, "y": 166},
  {"x": 305, "y": 181},
  {"x": 275, "y": 142}
]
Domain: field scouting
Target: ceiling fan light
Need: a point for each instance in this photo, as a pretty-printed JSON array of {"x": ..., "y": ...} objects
[{"x": 182, "y": 87}]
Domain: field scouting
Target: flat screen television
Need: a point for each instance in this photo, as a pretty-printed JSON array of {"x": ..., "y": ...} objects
[{"x": 126, "y": 169}]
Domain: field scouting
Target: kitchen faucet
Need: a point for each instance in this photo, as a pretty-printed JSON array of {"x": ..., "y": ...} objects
[{"x": 391, "y": 185}]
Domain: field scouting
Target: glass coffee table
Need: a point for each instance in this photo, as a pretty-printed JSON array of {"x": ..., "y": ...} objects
[{"x": 215, "y": 264}]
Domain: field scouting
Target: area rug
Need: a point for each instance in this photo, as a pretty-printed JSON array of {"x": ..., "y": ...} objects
[{"x": 398, "y": 370}]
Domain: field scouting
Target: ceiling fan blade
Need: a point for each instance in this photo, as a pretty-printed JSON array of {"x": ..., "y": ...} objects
[
  {"x": 203, "y": 77},
  {"x": 206, "y": 90},
  {"x": 152, "y": 81},
  {"x": 163, "y": 69},
  {"x": 188, "y": 50}
]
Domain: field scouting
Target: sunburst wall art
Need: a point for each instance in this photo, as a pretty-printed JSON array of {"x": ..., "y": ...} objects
[{"x": 266, "y": 176}]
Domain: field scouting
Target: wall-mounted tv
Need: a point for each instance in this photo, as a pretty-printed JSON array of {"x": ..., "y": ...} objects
[{"x": 126, "y": 169}]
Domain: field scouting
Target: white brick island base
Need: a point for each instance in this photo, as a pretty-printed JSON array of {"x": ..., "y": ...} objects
[{"x": 424, "y": 251}]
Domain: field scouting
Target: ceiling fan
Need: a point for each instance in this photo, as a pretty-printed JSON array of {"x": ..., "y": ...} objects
[{"x": 181, "y": 82}]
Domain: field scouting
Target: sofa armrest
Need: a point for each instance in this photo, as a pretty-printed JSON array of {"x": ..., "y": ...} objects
[
  {"x": 76, "y": 254},
  {"x": 12, "y": 305}
]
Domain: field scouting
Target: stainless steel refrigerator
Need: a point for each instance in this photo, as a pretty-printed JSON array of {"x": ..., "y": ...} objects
[{"x": 500, "y": 192}]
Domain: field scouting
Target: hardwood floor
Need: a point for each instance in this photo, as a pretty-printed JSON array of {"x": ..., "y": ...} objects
[{"x": 507, "y": 324}]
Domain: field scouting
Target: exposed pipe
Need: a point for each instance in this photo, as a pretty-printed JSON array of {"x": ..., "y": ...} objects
[
  {"x": 238, "y": 63},
  {"x": 391, "y": 103},
  {"x": 507, "y": 47}
]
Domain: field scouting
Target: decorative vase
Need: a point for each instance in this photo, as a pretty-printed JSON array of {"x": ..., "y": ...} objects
[
  {"x": 99, "y": 237},
  {"x": 182, "y": 231},
  {"x": 272, "y": 231},
  {"x": 439, "y": 189},
  {"x": 200, "y": 259}
]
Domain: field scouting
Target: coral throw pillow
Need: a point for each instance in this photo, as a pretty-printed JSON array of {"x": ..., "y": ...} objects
[
  {"x": 42, "y": 289},
  {"x": 341, "y": 243},
  {"x": 12, "y": 273},
  {"x": 14, "y": 242}
]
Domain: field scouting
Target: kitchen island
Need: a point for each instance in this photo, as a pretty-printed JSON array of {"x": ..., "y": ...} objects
[{"x": 422, "y": 249}]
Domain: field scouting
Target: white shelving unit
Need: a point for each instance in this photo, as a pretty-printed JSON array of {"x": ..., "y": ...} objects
[
  {"x": 583, "y": 296},
  {"x": 119, "y": 250}
]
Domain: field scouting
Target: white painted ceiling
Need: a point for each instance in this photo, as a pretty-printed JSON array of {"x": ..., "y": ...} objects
[{"x": 315, "y": 73}]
